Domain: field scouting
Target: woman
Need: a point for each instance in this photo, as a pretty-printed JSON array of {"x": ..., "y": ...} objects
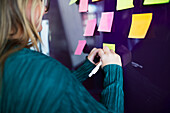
[{"x": 34, "y": 83}]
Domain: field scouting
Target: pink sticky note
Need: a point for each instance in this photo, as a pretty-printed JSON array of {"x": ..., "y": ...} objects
[
  {"x": 83, "y": 6},
  {"x": 106, "y": 22},
  {"x": 80, "y": 47},
  {"x": 90, "y": 27}
]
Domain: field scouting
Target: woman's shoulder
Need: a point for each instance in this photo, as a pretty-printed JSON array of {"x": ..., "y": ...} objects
[
  {"x": 28, "y": 63},
  {"x": 27, "y": 58},
  {"x": 28, "y": 53},
  {"x": 32, "y": 56},
  {"x": 27, "y": 71}
]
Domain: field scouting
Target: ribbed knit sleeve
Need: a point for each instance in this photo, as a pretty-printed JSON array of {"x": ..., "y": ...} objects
[
  {"x": 113, "y": 95},
  {"x": 83, "y": 71}
]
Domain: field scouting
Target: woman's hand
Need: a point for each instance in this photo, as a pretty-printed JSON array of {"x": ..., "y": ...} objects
[
  {"x": 92, "y": 55},
  {"x": 108, "y": 56}
]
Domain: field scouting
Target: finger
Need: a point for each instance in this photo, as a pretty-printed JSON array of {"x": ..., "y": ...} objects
[
  {"x": 100, "y": 52},
  {"x": 94, "y": 53},
  {"x": 106, "y": 49},
  {"x": 93, "y": 50},
  {"x": 112, "y": 51}
]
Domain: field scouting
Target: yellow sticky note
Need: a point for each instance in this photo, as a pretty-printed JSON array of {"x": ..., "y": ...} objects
[
  {"x": 95, "y": 0},
  {"x": 140, "y": 25},
  {"x": 72, "y": 2},
  {"x": 110, "y": 46},
  {"x": 124, "y": 4},
  {"x": 150, "y": 2}
]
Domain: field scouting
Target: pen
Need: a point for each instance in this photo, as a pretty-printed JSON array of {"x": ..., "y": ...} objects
[{"x": 95, "y": 69}]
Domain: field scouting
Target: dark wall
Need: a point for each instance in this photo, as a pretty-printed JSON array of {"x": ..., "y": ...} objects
[
  {"x": 147, "y": 67},
  {"x": 146, "y": 62}
]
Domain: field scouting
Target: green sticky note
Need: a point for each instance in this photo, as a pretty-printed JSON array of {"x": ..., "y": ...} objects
[
  {"x": 72, "y": 2},
  {"x": 110, "y": 46},
  {"x": 150, "y": 2},
  {"x": 124, "y": 4}
]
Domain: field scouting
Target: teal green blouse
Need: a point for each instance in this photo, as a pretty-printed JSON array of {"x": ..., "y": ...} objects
[{"x": 35, "y": 83}]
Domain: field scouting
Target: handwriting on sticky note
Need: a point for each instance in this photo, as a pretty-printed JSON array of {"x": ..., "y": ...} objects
[
  {"x": 83, "y": 6},
  {"x": 140, "y": 25},
  {"x": 110, "y": 46},
  {"x": 150, "y": 2},
  {"x": 106, "y": 22},
  {"x": 124, "y": 4},
  {"x": 72, "y": 2},
  {"x": 80, "y": 47},
  {"x": 90, "y": 27}
]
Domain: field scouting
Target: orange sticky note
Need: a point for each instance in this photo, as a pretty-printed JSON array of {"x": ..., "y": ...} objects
[
  {"x": 140, "y": 25},
  {"x": 83, "y": 6},
  {"x": 106, "y": 22},
  {"x": 80, "y": 47},
  {"x": 90, "y": 27}
]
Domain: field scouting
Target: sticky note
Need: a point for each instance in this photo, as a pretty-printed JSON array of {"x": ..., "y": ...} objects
[
  {"x": 150, "y": 2},
  {"x": 90, "y": 27},
  {"x": 83, "y": 6},
  {"x": 124, "y": 4},
  {"x": 140, "y": 25},
  {"x": 110, "y": 46},
  {"x": 95, "y": 0},
  {"x": 72, "y": 2},
  {"x": 106, "y": 22},
  {"x": 80, "y": 47}
]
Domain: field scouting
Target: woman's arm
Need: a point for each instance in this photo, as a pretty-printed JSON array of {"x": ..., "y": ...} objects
[
  {"x": 112, "y": 95},
  {"x": 77, "y": 99},
  {"x": 82, "y": 72}
]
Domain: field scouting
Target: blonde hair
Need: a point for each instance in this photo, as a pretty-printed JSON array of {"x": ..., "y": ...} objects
[{"x": 13, "y": 20}]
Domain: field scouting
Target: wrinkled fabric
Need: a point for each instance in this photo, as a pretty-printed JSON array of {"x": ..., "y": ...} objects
[{"x": 35, "y": 83}]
